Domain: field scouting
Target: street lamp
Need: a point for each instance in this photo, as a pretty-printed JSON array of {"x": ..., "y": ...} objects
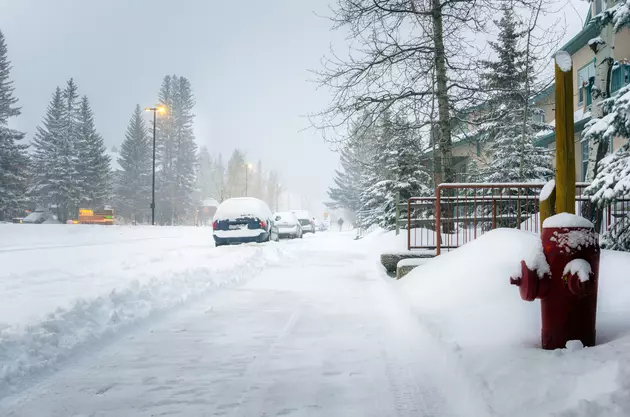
[
  {"x": 247, "y": 168},
  {"x": 155, "y": 110}
]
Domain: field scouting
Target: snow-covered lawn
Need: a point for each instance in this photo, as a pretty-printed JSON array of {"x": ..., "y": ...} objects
[
  {"x": 464, "y": 298},
  {"x": 62, "y": 286}
]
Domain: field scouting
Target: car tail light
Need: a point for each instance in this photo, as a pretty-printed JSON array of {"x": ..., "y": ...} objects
[
  {"x": 215, "y": 225},
  {"x": 263, "y": 224}
]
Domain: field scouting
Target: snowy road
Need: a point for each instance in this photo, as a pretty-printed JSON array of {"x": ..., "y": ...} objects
[{"x": 320, "y": 333}]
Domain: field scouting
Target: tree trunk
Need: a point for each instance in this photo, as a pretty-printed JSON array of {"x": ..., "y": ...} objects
[
  {"x": 442, "y": 95},
  {"x": 600, "y": 92}
]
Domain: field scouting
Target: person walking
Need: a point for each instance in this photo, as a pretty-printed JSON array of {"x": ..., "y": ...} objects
[{"x": 340, "y": 223}]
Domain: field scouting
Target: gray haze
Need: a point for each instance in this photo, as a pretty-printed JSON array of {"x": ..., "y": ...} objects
[{"x": 247, "y": 61}]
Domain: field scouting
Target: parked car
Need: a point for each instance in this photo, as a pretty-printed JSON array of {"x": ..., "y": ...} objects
[
  {"x": 306, "y": 221},
  {"x": 39, "y": 216},
  {"x": 288, "y": 225},
  {"x": 243, "y": 220}
]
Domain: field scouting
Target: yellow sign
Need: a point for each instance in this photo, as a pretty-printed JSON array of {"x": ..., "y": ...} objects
[{"x": 325, "y": 215}]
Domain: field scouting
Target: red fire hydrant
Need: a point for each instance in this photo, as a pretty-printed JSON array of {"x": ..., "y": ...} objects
[{"x": 568, "y": 293}]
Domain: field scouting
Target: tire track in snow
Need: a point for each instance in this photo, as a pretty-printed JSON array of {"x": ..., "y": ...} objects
[{"x": 254, "y": 368}]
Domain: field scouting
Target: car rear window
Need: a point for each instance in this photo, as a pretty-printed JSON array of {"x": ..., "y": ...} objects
[{"x": 304, "y": 222}]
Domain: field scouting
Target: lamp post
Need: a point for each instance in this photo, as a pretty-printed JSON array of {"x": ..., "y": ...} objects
[
  {"x": 155, "y": 111},
  {"x": 247, "y": 168}
]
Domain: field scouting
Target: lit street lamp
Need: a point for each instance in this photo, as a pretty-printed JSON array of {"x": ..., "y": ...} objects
[
  {"x": 155, "y": 111},
  {"x": 247, "y": 168}
]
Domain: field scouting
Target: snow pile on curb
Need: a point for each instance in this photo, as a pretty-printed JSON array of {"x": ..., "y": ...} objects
[
  {"x": 464, "y": 298},
  {"x": 37, "y": 346}
]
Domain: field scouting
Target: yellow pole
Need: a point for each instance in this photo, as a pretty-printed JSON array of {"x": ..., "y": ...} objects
[{"x": 565, "y": 147}]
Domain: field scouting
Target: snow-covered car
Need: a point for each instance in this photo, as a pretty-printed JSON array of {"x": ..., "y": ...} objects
[
  {"x": 38, "y": 216},
  {"x": 306, "y": 221},
  {"x": 288, "y": 225},
  {"x": 243, "y": 220}
]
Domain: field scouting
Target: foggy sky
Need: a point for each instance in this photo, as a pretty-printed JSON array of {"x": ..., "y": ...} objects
[{"x": 247, "y": 61}]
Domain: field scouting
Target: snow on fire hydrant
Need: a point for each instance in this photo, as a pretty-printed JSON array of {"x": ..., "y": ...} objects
[{"x": 568, "y": 293}]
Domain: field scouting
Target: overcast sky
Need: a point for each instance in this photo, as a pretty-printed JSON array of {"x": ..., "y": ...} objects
[{"x": 247, "y": 61}]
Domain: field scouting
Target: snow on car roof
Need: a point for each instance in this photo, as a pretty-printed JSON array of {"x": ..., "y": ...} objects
[{"x": 234, "y": 208}]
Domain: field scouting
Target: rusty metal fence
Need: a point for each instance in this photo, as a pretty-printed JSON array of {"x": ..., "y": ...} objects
[{"x": 460, "y": 213}]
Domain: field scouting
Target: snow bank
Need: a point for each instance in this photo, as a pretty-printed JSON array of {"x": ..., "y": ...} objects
[
  {"x": 465, "y": 300},
  {"x": 77, "y": 294}
]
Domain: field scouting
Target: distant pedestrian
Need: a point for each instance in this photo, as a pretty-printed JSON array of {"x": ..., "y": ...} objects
[{"x": 340, "y": 223}]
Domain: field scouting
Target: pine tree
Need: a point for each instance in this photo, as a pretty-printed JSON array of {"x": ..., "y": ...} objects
[
  {"x": 218, "y": 176},
  {"x": 396, "y": 173},
  {"x": 272, "y": 189},
  {"x": 511, "y": 152},
  {"x": 612, "y": 182},
  {"x": 205, "y": 176},
  {"x": 258, "y": 179},
  {"x": 177, "y": 150},
  {"x": 354, "y": 159},
  {"x": 235, "y": 181},
  {"x": 54, "y": 163},
  {"x": 134, "y": 183},
  {"x": 94, "y": 162},
  {"x": 14, "y": 160}
]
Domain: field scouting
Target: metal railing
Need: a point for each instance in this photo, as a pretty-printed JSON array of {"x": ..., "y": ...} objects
[{"x": 460, "y": 213}]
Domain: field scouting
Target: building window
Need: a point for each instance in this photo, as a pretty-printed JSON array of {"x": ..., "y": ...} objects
[
  {"x": 620, "y": 76},
  {"x": 585, "y": 78},
  {"x": 538, "y": 117}
]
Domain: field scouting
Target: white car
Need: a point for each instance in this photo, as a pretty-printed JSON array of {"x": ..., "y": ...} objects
[
  {"x": 288, "y": 225},
  {"x": 306, "y": 221},
  {"x": 243, "y": 220}
]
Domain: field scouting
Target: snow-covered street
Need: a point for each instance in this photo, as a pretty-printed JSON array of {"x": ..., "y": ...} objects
[
  {"x": 308, "y": 327},
  {"x": 142, "y": 321}
]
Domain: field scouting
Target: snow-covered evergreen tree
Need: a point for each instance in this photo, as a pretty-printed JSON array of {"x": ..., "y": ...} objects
[
  {"x": 55, "y": 175},
  {"x": 133, "y": 191},
  {"x": 94, "y": 162},
  {"x": 177, "y": 150},
  {"x": 258, "y": 181},
  {"x": 612, "y": 181},
  {"x": 505, "y": 126},
  {"x": 14, "y": 160},
  {"x": 235, "y": 180},
  {"x": 205, "y": 175},
  {"x": 354, "y": 158},
  {"x": 396, "y": 171}
]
